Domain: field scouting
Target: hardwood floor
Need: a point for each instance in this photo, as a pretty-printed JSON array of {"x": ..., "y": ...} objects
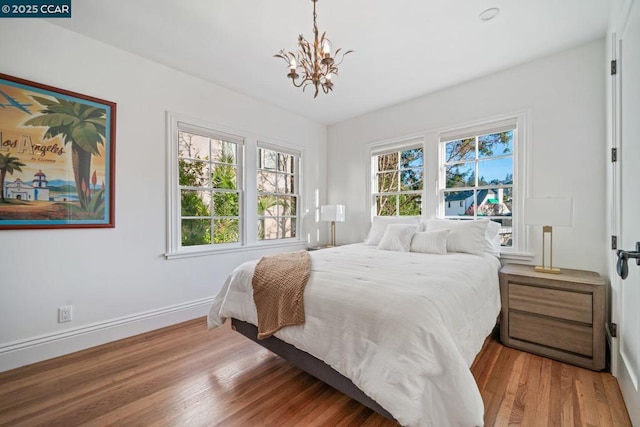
[{"x": 185, "y": 375}]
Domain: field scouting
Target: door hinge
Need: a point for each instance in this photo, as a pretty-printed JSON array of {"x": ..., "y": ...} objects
[
  {"x": 614, "y": 155},
  {"x": 614, "y": 243},
  {"x": 614, "y": 67},
  {"x": 613, "y": 329}
]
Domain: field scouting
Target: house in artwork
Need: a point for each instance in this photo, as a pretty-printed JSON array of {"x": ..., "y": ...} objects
[{"x": 20, "y": 190}]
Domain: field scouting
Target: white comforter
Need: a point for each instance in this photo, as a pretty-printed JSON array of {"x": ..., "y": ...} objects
[{"x": 404, "y": 327}]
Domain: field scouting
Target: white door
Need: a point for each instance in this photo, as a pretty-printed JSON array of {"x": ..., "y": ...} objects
[{"x": 626, "y": 129}]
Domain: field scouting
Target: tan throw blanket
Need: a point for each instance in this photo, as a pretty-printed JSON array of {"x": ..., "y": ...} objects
[{"x": 278, "y": 288}]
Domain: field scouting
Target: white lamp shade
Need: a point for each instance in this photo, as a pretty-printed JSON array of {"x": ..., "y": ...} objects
[
  {"x": 332, "y": 213},
  {"x": 554, "y": 211}
]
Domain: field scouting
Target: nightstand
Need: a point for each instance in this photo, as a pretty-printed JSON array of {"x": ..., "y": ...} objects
[
  {"x": 561, "y": 316},
  {"x": 315, "y": 248}
]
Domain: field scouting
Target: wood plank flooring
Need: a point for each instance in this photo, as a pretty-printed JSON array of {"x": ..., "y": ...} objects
[{"x": 185, "y": 375}]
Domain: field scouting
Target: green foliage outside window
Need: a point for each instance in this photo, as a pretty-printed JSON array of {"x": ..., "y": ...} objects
[
  {"x": 277, "y": 194},
  {"x": 209, "y": 198},
  {"x": 490, "y": 194},
  {"x": 400, "y": 180}
]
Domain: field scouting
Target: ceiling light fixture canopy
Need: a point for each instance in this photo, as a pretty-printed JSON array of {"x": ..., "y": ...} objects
[{"x": 314, "y": 62}]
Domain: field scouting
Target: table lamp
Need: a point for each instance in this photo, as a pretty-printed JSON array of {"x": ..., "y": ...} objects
[
  {"x": 332, "y": 213},
  {"x": 548, "y": 212}
]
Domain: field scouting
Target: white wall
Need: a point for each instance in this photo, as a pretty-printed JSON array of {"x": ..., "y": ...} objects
[
  {"x": 565, "y": 94},
  {"x": 114, "y": 276}
]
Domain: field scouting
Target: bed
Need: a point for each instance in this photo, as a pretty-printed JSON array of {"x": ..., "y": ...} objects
[{"x": 403, "y": 327}]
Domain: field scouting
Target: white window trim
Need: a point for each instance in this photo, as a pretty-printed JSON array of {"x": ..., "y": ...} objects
[{"x": 248, "y": 193}]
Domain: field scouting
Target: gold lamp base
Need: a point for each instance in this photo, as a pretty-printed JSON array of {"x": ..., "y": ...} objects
[
  {"x": 547, "y": 229},
  {"x": 551, "y": 270},
  {"x": 333, "y": 235}
]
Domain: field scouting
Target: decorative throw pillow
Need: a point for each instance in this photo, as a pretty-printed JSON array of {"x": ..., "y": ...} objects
[
  {"x": 397, "y": 237},
  {"x": 430, "y": 242},
  {"x": 380, "y": 223},
  {"x": 466, "y": 236}
]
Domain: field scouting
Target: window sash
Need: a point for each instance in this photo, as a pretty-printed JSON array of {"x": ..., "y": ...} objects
[
  {"x": 475, "y": 133},
  {"x": 212, "y": 165},
  {"x": 479, "y": 130},
  {"x": 278, "y": 217},
  {"x": 397, "y": 148}
]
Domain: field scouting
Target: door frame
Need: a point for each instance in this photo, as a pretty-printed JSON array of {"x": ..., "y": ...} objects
[{"x": 617, "y": 23}]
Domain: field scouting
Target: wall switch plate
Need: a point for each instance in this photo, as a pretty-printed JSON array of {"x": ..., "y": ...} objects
[{"x": 65, "y": 314}]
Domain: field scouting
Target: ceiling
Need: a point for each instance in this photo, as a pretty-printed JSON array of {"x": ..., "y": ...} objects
[{"x": 403, "y": 48}]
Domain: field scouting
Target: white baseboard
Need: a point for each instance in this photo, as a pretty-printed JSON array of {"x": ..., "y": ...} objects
[{"x": 43, "y": 347}]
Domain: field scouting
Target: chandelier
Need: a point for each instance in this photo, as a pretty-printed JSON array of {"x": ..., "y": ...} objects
[{"x": 313, "y": 61}]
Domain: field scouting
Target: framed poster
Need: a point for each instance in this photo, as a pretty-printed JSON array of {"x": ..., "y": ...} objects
[{"x": 57, "y": 154}]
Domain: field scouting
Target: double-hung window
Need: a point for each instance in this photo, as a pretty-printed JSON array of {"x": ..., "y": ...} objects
[
  {"x": 398, "y": 179},
  {"x": 215, "y": 203},
  {"x": 278, "y": 197},
  {"x": 478, "y": 168},
  {"x": 473, "y": 171},
  {"x": 206, "y": 204}
]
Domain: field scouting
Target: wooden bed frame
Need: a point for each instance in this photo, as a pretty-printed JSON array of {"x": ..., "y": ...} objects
[{"x": 309, "y": 364}]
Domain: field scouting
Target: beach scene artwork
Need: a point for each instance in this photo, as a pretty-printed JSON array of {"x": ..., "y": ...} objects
[{"x": 56, "y": 157}]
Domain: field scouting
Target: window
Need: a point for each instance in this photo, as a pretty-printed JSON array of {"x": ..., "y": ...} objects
[
  {"x": 398, "y": 178},
  {"x": 205, "y": 207},
  {"x": 215, "y": 204},
  {"x": 277, "y": 183},
  {"x": 209, "y": 184},
  {"x": 476, "y": 170},
  {"x": 478, "y": 167}
]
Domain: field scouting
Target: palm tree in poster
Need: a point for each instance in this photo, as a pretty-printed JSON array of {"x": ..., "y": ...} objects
[
  {"x": 8, "y": 164},
  {"x": 82, "y": 125}
]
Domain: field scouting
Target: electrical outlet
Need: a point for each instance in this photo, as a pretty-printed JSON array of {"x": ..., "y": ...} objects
[{"x": 65, "y": 314}]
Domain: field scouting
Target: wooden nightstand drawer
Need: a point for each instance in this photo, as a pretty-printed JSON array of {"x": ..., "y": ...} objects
[
  {"x": 551, "y": 333},
  {"x": 561, "y": 316},
  {"x": 551, "y": 302}
]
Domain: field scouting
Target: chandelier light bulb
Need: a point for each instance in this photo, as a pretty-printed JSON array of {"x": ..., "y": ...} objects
[{"x": 326, "y": 48}]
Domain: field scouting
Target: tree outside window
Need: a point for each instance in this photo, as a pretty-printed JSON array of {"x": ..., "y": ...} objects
[
  {"x": 277, "y": 177},
  {"x": 398, "y": 182},
  {"x": 209, "y": 195},
  {"x": 479, "y": 177}
]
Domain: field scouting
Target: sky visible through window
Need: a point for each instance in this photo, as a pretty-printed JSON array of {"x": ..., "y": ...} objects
[{"x": 493, "y": 154}]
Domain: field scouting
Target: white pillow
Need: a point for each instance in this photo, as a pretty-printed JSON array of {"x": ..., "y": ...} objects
[
  {"x": 492, "y": 243},
  {"x": 397, "y": 237},
  {"x": 430, "y": 242},
  {"x": 466, "y": 236},
  {"x": 379, "y": 226}
]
